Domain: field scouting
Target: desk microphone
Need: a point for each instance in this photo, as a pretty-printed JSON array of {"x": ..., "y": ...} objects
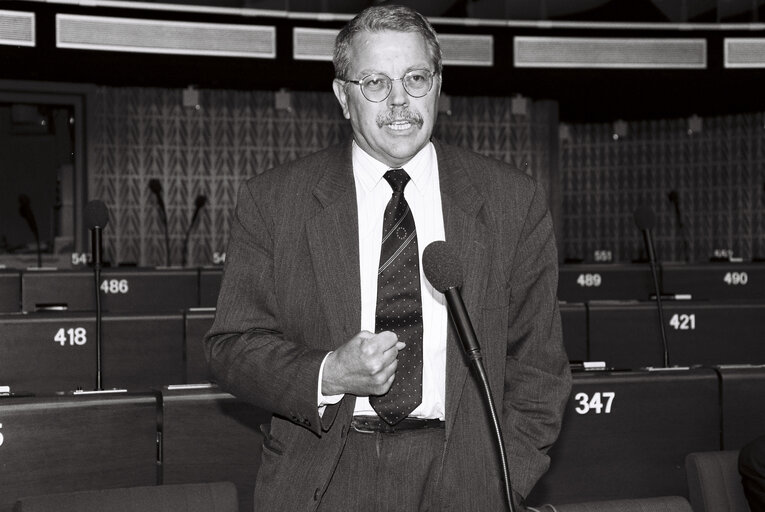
[
  {"x": 674, "y": 198},
  {"x": 645, "y": 221},
  {"x": 199, "y": 203},
  {"x": 441, "y": 266},
  {"x": 96, "y": 219},
  {"x": 156, "y": 188},
  {"x": 25, "y": 210}
]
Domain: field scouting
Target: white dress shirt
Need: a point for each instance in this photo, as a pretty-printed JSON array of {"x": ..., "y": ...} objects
[{"x": 423, "y": 194}]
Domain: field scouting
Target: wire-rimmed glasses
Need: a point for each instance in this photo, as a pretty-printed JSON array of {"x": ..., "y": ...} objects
[{"x": 377, "y": 86}]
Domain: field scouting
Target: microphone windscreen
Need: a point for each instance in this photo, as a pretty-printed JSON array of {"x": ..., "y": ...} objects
[
  {"x": 673, "y": 196},
  {"x": 441, "y": 266},
  {"x": 200, "y": 201},
  {"x": 96, "y": 214},
  {"x": 645, "y": 218},
  {"x": 155, "y": 186}
]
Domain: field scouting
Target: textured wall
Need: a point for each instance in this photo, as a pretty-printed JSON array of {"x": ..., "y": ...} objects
[
  {"x": 142, "y": 134},
  {"x": 718, "y": 174}
]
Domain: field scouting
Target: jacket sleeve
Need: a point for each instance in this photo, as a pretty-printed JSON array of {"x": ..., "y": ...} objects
[
  {"x": 537, "y": 375},
  {"x": 246, "y": 349}
]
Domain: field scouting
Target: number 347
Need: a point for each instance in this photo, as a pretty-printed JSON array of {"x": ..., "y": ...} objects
[{"x": 598, "y": 402}]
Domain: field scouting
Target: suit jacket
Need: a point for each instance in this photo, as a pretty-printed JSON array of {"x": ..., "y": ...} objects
[{"x": 291, "y": 293}]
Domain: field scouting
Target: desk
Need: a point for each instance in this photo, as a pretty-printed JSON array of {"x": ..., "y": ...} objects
[
  {"x": 605, "y": 281},
  {"x": 46, "y": 352},
  {"x": 626, "y": 334},
  {"x": 73, "y": 443},
  {"x": 626, "y": 434},
  {"x": 715, "y": 281},
  {"x": 211, "y": 436},
  {"x": 122, "y": 290}
]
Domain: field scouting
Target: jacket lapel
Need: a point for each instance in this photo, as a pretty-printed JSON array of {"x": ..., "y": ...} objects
[
  {"x": 471, "y": 238},
  {"x": 334, "y": 246}
]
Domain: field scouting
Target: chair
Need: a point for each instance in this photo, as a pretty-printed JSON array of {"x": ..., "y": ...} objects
[
  {"x": 660, "y": 504},
  {"x": 199, "y": 497},
  {"x": 714, "y": 484}
]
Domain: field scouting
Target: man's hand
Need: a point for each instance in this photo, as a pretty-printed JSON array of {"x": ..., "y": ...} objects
[{"x": 364, "y": 366}]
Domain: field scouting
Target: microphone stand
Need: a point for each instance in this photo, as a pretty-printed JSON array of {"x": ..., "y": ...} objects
[
  {"x": 463, "y": 326},
  {"x": 648, "y": 238},
  {"x": 167, "y": 239},
  {"x": 96, "y": 244}
]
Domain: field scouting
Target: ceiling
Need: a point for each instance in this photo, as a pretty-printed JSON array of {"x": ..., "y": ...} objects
[{"x": 648, "y": 11}]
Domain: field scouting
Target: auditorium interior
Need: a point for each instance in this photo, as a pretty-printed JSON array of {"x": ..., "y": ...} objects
[{"x": 643, "y": 120}]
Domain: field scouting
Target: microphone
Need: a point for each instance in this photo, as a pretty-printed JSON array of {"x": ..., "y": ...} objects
[
  {"x": 199, "y": 203},
  {"x": 156, "y": 188},
  {"x": 96, "y": 219},
  {"x": 645, "y": 221},
  {"x": 442, "y": 269},
  {"x": 674, "y": 198},
  {"x": 25, "y": 210}
]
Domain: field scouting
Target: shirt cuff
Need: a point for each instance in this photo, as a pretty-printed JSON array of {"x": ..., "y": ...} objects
[{"x": 324, "y": 400}]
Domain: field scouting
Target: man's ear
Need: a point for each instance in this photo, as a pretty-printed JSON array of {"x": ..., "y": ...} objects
[{"x": 339, "y": 87}]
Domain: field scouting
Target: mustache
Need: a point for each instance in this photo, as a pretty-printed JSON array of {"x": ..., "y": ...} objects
[{"x": 399, "y": 115}]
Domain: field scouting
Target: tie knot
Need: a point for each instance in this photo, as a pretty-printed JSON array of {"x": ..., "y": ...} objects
[{"x": 397, "y": 178}]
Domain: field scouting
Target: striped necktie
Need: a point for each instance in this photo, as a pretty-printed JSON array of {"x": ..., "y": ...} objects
[{"x": 399, "y": 302}]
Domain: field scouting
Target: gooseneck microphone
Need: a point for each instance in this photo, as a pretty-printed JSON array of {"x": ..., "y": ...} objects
[
  {"x": 674, "y": 198},
  {"x": 645, "y": 221},
  {"x": 156, "y": 188},
  {"x": 199, "y": 203},
  {"x": 96, "y": 219},
  {"x": 441, "y": 266},
  {"x": 25, "y": 210}
]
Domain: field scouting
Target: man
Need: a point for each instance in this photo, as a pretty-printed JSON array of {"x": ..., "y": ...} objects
[{"x": 374, "y": 405}]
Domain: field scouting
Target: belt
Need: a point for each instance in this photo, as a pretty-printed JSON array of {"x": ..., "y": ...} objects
[{"x": 373, "y": 424}]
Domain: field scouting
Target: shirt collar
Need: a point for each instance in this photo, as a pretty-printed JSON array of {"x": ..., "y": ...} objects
[{"x": 369, "y": 171}]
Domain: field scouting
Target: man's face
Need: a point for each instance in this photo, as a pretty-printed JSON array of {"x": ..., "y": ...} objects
[{"x": 395, "y": 129}]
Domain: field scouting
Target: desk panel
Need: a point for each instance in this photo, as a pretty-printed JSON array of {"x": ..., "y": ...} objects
[
  {"x": 10, "y": 291},
  {"x": 47, "y": 352},
  {"x": 626, "y": 335},
  {"x": 626, "y": 434},
  {"x": 743, "y": 404},
  {"x": 715, "y": 281},
  {"x": 197, "y": 323},
  {"x": 614, "y": 281},
  {"x": 211, "y": 436},
  {"x": 122, "y": 290},
  {"x": 574, "y": 322},
  {"x": 209, "y": 286},
  {"x": 143, "y": 352},
  {"x": 73, "y": 443}
]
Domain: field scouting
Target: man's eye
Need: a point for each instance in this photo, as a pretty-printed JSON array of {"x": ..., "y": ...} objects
[{"x": 375, "y": 83}]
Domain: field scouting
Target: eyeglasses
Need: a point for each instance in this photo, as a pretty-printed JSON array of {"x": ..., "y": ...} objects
[{"x": 377, "y": 86}]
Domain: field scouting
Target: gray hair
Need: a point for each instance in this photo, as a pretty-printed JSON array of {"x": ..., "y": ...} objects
[{"x": 384, "y": 17}]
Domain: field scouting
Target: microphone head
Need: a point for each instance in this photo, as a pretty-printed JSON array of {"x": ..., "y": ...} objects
[
  {"x": 200, "y": 201},
  {"x": 25, "y": 210},
  {"x": 96, "y": 214},
  {"x": 155, "y": 186},
  {"x": 441, "y": 266},
  {"x": 673, "y": 196},
  {"x": 645, "y": 218}
]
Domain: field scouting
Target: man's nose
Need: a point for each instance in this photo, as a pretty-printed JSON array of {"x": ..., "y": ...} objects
[{"x": 398, "y": 95}]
